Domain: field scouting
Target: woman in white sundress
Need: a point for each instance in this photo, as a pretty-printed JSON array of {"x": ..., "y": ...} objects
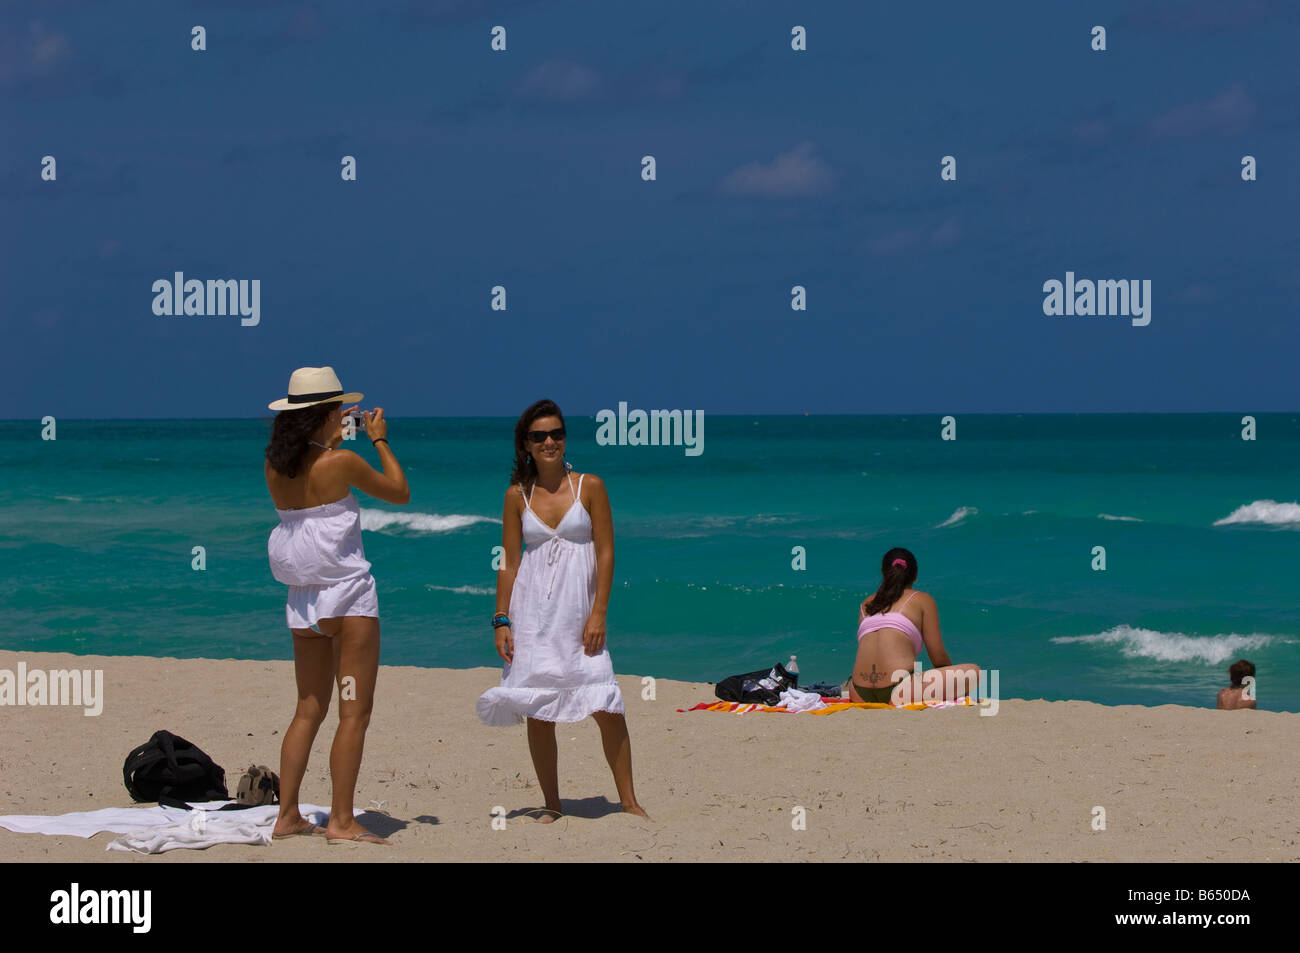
[{"x": 551, "y": 603}]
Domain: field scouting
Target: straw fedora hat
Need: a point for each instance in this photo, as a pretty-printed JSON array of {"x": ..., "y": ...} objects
[{"x": 313, "y": 385}]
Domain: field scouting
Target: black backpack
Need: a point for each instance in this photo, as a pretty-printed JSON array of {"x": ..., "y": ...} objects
[
  {"x": 763, "y": 687},
  {"x": 170, "y": 770}
]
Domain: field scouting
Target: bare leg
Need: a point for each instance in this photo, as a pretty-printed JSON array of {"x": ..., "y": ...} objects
[
  {"x": 356, "y": 651},
  {"x": 618, "y": 752},
  {"x": 313, "y": 666},
  {"x": 541, "y": 745},
  {"x": 945, "y": 683},
  {"x": 960, "y": 681}
]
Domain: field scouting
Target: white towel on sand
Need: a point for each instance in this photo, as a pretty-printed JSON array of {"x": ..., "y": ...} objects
[
  {"x": 119, "y": 820},
  {"x": 152, "y": 830},
  {"x": 199, "y": 834}
]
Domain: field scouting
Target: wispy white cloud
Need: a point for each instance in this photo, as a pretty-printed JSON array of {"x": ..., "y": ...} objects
[
  {"x": 1091, "y": 132},
  {"x": 1227, "y": 114},
  {"x": 46, "y": 46},
  {"x": 31, "y": 54},
  {"x": 945, "y": 234},
  {"x": 794, "y": 173},
  {"x": 561, "y": 80}
]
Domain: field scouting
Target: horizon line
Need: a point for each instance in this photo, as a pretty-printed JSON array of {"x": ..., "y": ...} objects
[{"x": 796, "y": 414}]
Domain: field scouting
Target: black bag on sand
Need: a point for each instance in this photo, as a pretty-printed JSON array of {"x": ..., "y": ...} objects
[
  {"x": 170, "y": 770},
  {"x": 763, "y": 687}
]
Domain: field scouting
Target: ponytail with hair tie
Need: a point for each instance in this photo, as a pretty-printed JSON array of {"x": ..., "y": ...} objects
[{"x": 898, "y": 570}]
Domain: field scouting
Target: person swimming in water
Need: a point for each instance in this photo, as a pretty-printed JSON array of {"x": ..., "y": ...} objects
[
  {"x": 1240, "y": 694},
  {"x": 893, "y": 624}
]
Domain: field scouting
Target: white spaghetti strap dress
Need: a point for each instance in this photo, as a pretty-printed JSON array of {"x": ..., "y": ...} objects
[
  {"x": 551, "y": 677},
  {"x": 317, "y": 552}
]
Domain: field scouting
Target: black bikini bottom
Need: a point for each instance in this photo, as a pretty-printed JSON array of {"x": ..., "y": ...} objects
[{"x": 879, "y": 696}]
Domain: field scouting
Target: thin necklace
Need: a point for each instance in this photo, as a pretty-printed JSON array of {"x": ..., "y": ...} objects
[{"x": 321, "y": 445}]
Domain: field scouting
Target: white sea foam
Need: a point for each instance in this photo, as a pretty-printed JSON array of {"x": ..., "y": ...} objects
[
  {"x": 1124, "y": 519},
  {"x": 388, "y": 521},
  {"x": 463, "y": 590},
  {"x": 1268, "y": 512},
  {"x": 958, "y": 515},
  {"x": 1174, "y": 646},
  {"x": 688, "y": 526}
]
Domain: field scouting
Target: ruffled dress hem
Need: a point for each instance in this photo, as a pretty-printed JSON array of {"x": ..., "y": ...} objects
[{"x": 502, "y": 706}]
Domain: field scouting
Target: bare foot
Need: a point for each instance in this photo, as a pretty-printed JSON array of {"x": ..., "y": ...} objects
[
  {"x": 354, "y": 833},
  {"x": 365, "y": 837},
  {"x": 636, "y": 809},
  {"x": 287, "y": 827},
  {"x": 547, "y": 813}
]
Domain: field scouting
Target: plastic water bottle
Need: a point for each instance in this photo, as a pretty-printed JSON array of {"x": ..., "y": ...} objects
[{"x": 793, "y": 668}]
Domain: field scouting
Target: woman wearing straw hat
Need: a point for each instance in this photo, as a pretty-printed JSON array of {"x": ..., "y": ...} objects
[{"x": 333, "y": 610}]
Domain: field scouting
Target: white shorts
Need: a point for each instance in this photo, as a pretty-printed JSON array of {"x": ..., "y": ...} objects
[{"x": 309, "y": 604}]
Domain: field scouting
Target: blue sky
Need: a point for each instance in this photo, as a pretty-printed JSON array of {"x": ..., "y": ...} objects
[{"x": 775, "y": 168}]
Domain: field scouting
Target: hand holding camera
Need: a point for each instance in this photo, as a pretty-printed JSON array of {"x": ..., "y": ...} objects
[{"x": 376, "y": 426}]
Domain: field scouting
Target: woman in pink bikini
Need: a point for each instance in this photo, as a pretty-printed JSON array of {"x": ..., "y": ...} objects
[{"x": 892, "y": 626}]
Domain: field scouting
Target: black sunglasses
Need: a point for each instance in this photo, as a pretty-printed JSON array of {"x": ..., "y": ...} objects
[{"x": 539, "y": 436}]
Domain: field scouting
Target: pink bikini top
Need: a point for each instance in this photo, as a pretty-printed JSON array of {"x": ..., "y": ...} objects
[{"x": 893, "y": 620}]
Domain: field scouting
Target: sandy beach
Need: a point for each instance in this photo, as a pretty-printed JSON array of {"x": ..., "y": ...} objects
[{"x": 1176, "y": 783}]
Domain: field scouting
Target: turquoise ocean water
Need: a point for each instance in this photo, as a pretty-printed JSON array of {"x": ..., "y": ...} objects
[{"x": 1201, "y": 531}]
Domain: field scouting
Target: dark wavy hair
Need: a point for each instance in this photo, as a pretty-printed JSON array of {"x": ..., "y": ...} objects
[
  {"x": 895, "y": 579},
  {"x": 1239, "y": 670},
  {"x": 291, "y": 432},
  {"x": 525, "y": 469}
]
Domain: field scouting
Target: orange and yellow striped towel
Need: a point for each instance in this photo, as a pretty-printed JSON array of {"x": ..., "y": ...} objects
[{"x": 832, "y": 706}]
